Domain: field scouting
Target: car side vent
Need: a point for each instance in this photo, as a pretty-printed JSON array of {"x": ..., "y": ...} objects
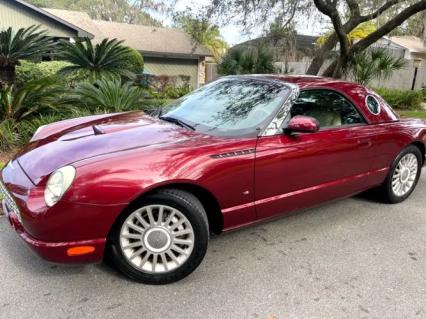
[{"x": 234, "y": 154}]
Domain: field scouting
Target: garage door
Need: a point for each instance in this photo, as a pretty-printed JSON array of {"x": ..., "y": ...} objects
[{"x": 171, "y": 67}]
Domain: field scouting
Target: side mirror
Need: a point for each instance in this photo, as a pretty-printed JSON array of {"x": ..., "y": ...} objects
[{"x": 302, "y": 124}]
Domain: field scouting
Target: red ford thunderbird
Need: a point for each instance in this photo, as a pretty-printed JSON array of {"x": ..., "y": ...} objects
[{"x": 146, "y": 191}]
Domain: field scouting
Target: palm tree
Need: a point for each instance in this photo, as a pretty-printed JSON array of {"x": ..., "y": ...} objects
[
  {"x": 109, "y": 95},
  {"x": 375, "y": 63},
  {"x": 33, "y": 98},
  {"x": 104, "y": 60},
  {"x": 24, "y": 44},
  {"x": 19, "y": 107},
  {"x": 203, "y": 33}
]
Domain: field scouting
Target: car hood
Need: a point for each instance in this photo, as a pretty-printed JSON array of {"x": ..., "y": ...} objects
[{"x": 67, "y": 142}]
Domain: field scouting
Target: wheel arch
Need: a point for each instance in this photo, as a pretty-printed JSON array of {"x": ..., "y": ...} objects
[
  {"x": 207, "y": 199},
  {"x": 421, "y": 146}
]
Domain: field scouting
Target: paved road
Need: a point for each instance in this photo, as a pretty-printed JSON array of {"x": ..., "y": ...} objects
[{"x": 350, "y": 259}]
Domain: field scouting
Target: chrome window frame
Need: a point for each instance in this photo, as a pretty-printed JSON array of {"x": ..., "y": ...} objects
[{"x": 275, "y": 126}]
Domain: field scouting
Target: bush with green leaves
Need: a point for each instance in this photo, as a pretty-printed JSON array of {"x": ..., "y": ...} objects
[
  {"x": 111, "y": 95},
  {"x": 375, "y": 63},
  {"x": 247, "y": 60},
  {"x": 134, "y": 62},
  {"x": 29, "y": 71},
  {"x": 22, "y": 104},
  {"x": 402, "y": 99}
]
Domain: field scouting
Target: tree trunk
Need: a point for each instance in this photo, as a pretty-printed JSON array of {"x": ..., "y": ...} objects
[
  {"x": 321, "y": 55},
  {"x": 335, "y": 69},
  {"x": 7, "y": 74}
]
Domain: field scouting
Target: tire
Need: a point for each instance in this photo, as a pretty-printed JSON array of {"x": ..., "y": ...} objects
[
  {"x": 387, "y": 191},
  {"x": 144, "y": 251}
]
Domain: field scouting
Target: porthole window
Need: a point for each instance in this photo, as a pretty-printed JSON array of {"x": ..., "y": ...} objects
[{"x": 373, "y": 105}]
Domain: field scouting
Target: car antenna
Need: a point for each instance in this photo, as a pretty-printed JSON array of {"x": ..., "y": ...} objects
[{"x": 97, "y": 130}]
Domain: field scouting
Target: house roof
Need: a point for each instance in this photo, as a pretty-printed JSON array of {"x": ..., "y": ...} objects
[
  {"x": 150, "y": 40},
  {"x": 79, "y": 31},
  {"x": 412, "y": 43}
]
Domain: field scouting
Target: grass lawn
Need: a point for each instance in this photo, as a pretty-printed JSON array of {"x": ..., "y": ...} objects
[{"x": 415, "y": 114}]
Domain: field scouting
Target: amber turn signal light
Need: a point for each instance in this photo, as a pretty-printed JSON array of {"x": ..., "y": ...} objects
[{"x": 80, "y": 250}]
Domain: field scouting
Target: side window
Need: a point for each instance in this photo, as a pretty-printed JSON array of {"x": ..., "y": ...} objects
[
  {"x": 372, "y": 104},
  {"x": 329, "y": 108}
]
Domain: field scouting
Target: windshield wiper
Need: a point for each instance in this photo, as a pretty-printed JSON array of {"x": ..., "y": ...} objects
[{"x": 177, "y": 121}]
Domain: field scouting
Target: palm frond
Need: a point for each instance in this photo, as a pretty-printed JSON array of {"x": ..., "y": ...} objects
[
  {"x": 110, "y": 95},
  {"x": 375, "y": 63},
  {"x": 104, "y": 60}
]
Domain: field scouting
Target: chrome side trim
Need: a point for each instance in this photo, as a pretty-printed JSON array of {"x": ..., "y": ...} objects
[
  {"x": 275, "y": 127},
  {"x": 234, "y": 154}
]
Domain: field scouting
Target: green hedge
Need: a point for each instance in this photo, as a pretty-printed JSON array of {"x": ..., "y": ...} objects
[
  {"x": 403, "y": 100},
  {"x": 28, "y": 71}
]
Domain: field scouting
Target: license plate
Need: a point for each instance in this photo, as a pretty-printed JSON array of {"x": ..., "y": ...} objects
[{"x": 10, "y": 203}]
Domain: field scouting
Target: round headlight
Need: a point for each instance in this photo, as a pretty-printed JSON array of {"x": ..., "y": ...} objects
[{"x": 58, "y": 184}]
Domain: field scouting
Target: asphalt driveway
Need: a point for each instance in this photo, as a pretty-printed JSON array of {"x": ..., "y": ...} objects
[{"x": 350, "y": 259}]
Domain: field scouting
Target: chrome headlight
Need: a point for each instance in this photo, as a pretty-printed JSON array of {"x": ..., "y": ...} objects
[{"x": 58, "y": 184}]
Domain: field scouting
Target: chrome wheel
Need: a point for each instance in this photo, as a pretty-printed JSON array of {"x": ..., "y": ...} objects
[
  {"x": 405, "y": 174},
  {"x": 156, "y": 239}
]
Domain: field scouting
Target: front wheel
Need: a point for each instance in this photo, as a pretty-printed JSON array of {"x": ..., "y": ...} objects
[
  {"x": 161, "y": 239},
  {"x": 403, "y": 176}
]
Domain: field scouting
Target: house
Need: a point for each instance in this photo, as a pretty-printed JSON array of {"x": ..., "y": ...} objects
[
  {"x": 296, "y": 48},
  {"x": 166, "y": 51},
  {"x": 291, "y": 55},
  {"x": 408, "y": 47}
]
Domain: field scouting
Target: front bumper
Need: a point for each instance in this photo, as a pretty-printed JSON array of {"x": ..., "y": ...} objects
[
  {"x": 56, "y": 252},
  {"x": 52, "y": 232}
]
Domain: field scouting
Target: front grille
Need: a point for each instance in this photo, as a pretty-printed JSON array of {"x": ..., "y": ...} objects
[{"x": 10, "y": 203}]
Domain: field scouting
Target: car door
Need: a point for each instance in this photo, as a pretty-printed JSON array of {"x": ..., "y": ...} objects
[{"x": 301, "y": 170}]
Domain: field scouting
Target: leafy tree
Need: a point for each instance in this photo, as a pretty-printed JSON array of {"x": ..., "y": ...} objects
[
  {"x": 344, "y": 15},
  {"x": 135, "y": 11},
  {"x": 356, "y": 13},
  {"x": 110, "y": 95},
  {"x": 281, "y": 39},
  {"x": 23, "y": 44},
  {"x": 203, "y": 32},
  {"x": 360, "y": 32},
  {"x": 242, "y": 60},
  {"x": 105, "y": 60},
  {"x": 375, "y": 63},
  {"x": 416, "y": 26}
]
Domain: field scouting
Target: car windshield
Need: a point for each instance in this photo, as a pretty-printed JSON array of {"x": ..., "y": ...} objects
[{"x": 230, "y": 106}]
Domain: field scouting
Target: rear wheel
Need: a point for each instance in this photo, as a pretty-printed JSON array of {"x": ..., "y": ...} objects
[
  {"x": 403, "y": 176},
  {"x": 162, "y": 239}
]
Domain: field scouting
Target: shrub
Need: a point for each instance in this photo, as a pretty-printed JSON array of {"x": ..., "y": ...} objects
[
  {"x": 134, "y": 62},
  {"x": 109, "y": 95},
  {"x": 375, "y": 63},
  {"x": 8, "y": 134},
  {"x": 246, "y": 60},
  {"x": 166, "y": 87},
  {"x": 29, "y": 71},
  {"x": 399, "y": 99}
]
